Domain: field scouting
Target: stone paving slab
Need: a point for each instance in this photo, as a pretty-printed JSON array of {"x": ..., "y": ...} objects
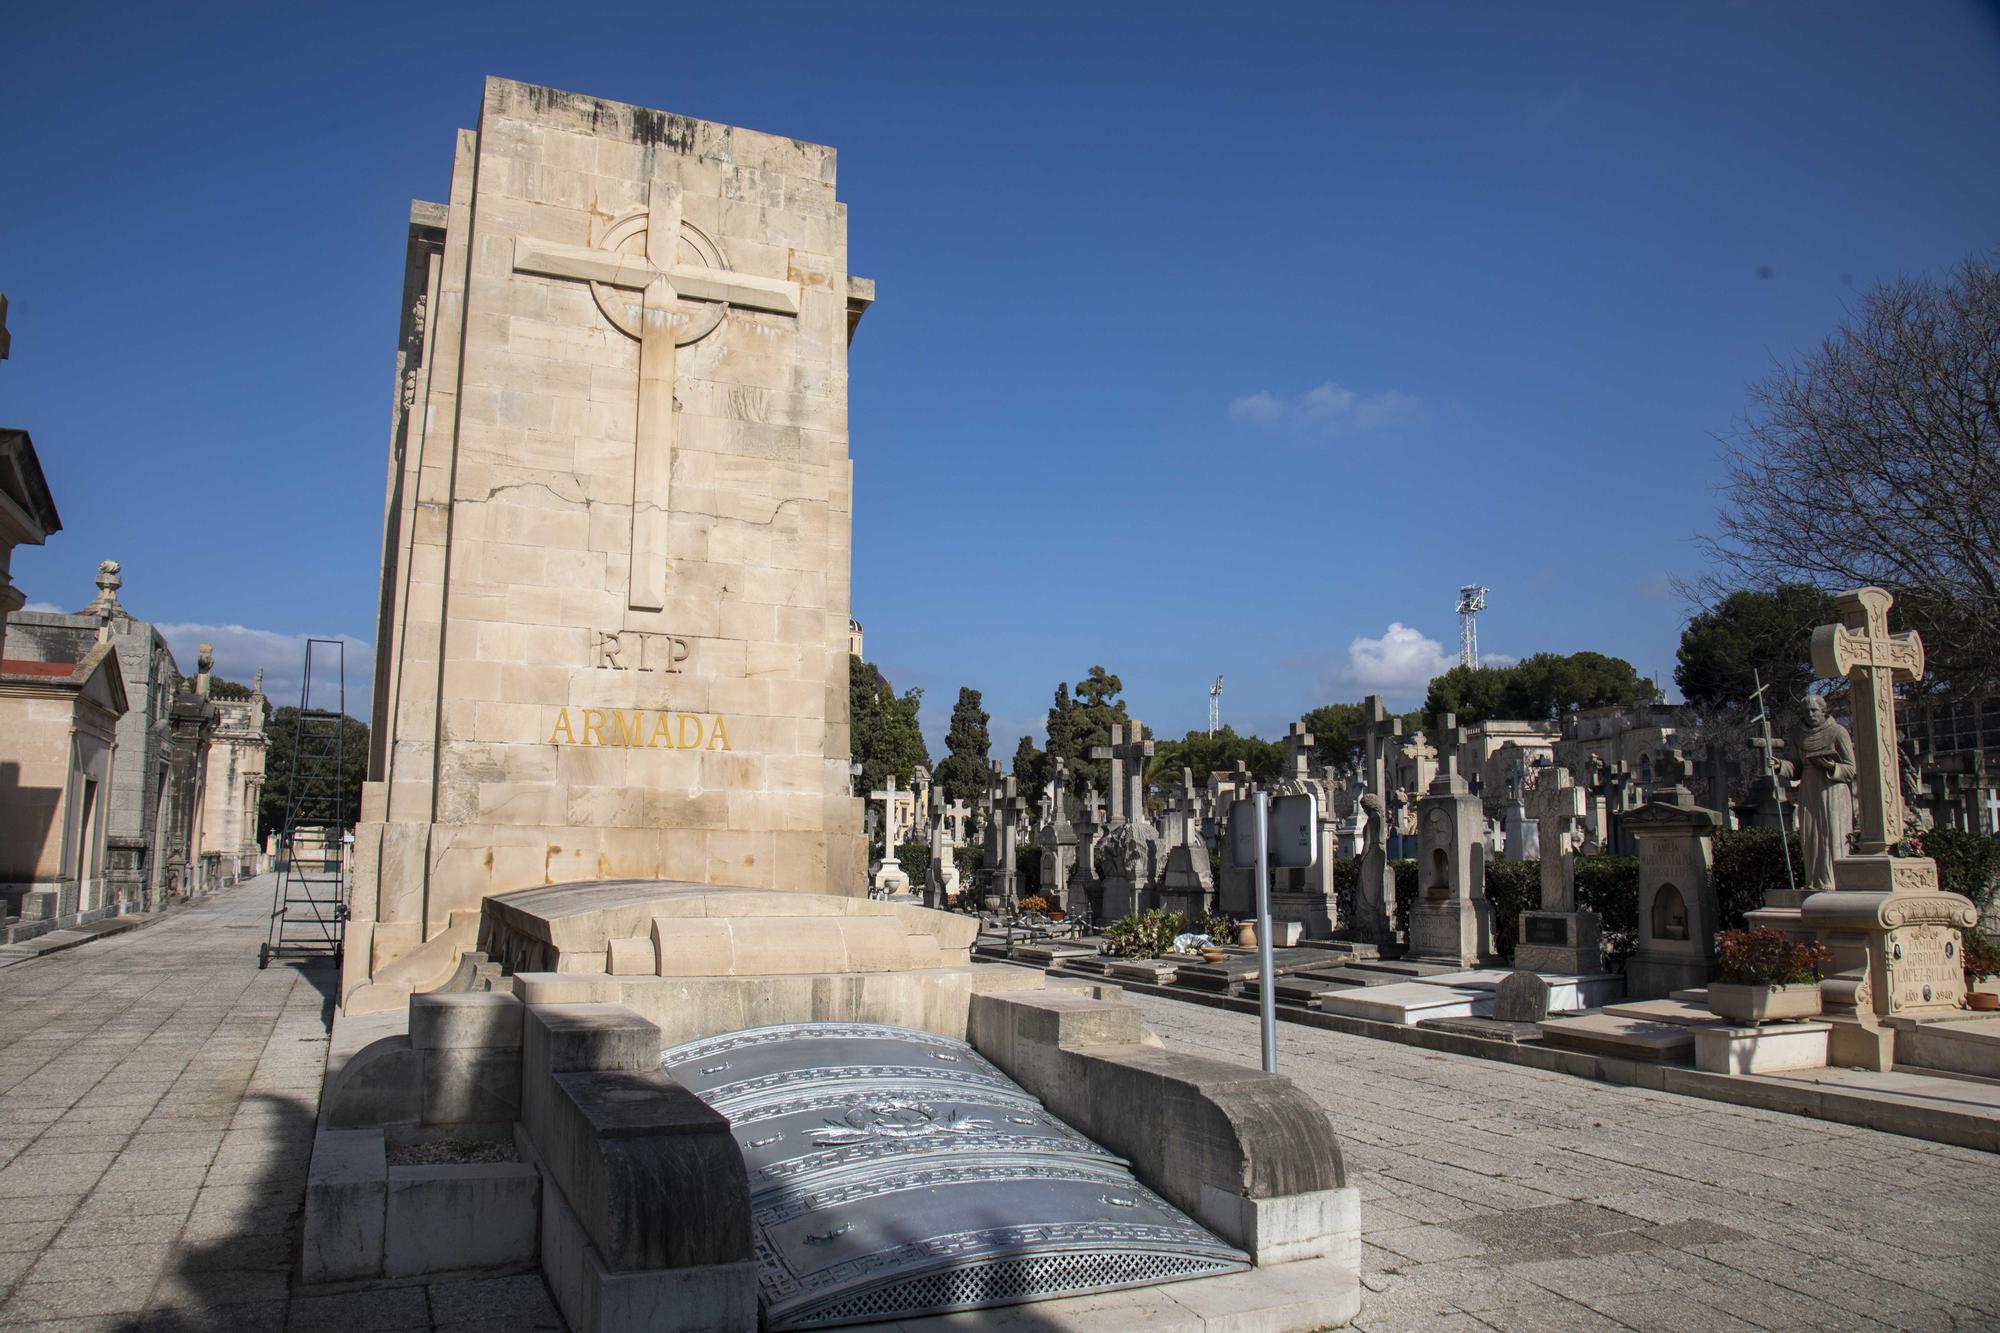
[
  {"x": 157, "y": 1100},
  {"x": 1499, "y": 1196}
]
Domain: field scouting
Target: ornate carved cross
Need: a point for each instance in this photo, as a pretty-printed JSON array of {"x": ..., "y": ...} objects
[
  {"x": 887, "y": 796},
  {"x": 642, "y": 252},
  {"x": 1874, "y": 661},
  {"x": 1299, "y": 742},
  {"x": 1556, "y": 802},
  {"x": 1128, "y": 752}
]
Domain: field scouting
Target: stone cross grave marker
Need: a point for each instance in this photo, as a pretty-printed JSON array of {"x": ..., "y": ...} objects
[
  {"x": 1991, "y": 805},
  {"x": 1874, "y": 661},
  {"x": 679, "y": 303},
  {"x": 1557, "y": 805},
  {"x": 1450, "y": 741},
  {"x": 887, "y": 796},
  {"x": 1128, "y": 752},
  {"x": 955, "y": 813},
  {"x": 1010, "y": 808},
  {"x": 1299, "y": 743}
]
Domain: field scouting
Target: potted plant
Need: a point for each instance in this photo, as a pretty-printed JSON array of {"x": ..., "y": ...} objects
[
  {"x": 1766, "y": 977},
  {"x": 1981, "y": 958}
]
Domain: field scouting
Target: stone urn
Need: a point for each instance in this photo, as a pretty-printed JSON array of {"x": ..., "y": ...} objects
[
  {"x": 1754, "y": 1006},
  {"x": 1246, "y": 935},
  {"x": 990, "y": 902},
  {"x": 1213, "y": 954}
]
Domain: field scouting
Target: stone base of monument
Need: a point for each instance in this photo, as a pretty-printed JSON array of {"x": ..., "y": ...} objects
[
  {"x": 1562, "y": 942},
  {"x": 1780, "y": 912},
  {"x": 1895, "y": 939},
  {"x": 632, "y": 1191},
  {"x": 1626, "y": 1038},
  {"x": 1659, "y": 972},
  {"x": 1760, "y": 1050},
  {"x": 1451, "y": 930},
  {"x": 1300, "y": 916}
]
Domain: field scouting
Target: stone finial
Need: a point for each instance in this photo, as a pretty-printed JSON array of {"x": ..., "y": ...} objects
[
  {"x": 108, "y": 584},
  {"x": 204, "y": 663},
  {"x": 257, "y": 682}
]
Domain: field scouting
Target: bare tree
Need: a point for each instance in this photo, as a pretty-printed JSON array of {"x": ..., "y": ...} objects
[{"x": 1876, "y": 459}]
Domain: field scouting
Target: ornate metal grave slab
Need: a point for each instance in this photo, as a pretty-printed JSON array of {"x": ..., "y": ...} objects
[{"x": 895, "y": 1173}]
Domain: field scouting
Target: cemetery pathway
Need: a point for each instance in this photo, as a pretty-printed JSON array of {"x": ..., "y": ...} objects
[
  {"x": 1495, "y": 1196},
  {"x": 157, "y": 1100}
]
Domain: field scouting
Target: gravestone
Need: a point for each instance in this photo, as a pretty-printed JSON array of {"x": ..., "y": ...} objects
[
  {"x": 1305, "y": 894},
  {"x": 1451, "y": 920},
  {"x": 1187, "y": 884},
  {"x": 1678, "y": 912},
  {"x": 1056, "y": 839},
  {"x": 1521, "y": 997},
  {"x": 614, "y": 602},
  {"x": 1894, "y": 934},
  {"x": 1558, "y": 937}
]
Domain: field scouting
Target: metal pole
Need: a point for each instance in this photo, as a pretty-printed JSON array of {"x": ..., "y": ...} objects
[
  {"x": 1771, "y": 767},
  {"x": 1267, "y": 996}
]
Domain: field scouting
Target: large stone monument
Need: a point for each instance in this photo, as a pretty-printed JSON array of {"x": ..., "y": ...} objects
[
  {"x": 1678, "y": 911},
  {"x": 614, "y": 608},
  {"x": 1558, "y": 937},
  {"x": 1451, "y": 920},
  {"x": 1894, "y": 934}
]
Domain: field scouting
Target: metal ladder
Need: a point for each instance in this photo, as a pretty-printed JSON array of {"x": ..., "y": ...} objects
[{"x": 309, "y": 903}]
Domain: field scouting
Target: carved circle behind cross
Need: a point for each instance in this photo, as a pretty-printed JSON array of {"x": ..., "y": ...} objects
[{"x": 692, "y": 320}]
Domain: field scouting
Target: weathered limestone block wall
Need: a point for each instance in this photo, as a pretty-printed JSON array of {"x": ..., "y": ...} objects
[{"x": 616, "y": 552}]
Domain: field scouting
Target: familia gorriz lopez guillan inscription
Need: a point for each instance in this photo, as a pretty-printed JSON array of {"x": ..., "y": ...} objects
[{"x": 639, "y": 728}]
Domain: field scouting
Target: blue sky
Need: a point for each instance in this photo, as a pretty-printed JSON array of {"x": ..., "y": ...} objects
[{"x": 1206, "y": 342}]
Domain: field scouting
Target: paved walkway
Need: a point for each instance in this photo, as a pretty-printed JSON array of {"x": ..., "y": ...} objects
[
  {"x": 1495, "y": 1196},
  {"x": 157, "y": 1098}
]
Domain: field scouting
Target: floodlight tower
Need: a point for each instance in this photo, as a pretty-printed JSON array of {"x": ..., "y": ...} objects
[
  {"x": 1215, "y": 706},
  {"x": 1471, "y": 601}
]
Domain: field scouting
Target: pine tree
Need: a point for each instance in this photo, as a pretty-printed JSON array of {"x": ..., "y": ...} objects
[
  {"x": 962, "y": 775},
  {"x": 884, "y": 733}
]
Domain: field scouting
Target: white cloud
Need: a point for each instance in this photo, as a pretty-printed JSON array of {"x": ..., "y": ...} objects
[
  {"x": 1400, "y": 663},
  {"x": 49, "y": 607},
  {"x": 1325, "y": 412},
  {"x": 241, "y": 650}
]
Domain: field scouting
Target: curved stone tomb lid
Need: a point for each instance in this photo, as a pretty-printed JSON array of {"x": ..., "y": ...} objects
[{"x": 895, "y": 1173}]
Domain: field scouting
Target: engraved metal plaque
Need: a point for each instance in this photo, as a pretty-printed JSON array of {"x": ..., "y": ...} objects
[
  {"x": 1546, "y": 930},
  {"x": 895, "y": 1173}
]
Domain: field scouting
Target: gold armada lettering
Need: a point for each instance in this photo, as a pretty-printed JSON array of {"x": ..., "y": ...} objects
[{"x": 639, "y": 729}]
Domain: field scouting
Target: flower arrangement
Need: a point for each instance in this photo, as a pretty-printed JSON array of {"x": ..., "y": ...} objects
[
  {"x": 1765, "y": 957},
  {"x": 1145, "y": 936},
  {"x": 1034, "y": 902}
]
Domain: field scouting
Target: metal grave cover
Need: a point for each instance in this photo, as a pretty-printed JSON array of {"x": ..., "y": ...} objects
[{"x": 895, "y": 1173}]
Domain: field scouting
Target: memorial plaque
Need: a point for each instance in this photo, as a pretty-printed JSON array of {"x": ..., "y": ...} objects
[
  {"x": 1545, "y": 930},
  {"x": 1925, "y": 970}
]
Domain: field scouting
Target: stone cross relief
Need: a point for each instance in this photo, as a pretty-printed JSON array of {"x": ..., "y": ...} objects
[
  {"x": 1874, "y": 661},
  {"x": 1556, "y": 803},
  {"x": 680, "y": 303}
]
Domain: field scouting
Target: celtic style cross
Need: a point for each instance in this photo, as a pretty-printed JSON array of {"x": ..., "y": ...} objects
[
  {"x": 1556, "y": 803},
  {"x": 681, "y": 301},
  {"x": 1874, "y": 661}
]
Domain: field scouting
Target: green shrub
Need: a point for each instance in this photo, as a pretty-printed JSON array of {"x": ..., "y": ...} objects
[
  {"x": 1144, "y": 936},
  {"x": 1606, "y": 885},
  {"x": 1346, "y": 878},
  {"x": 1405, "y": 873},
  {"x": 1749, "y": 866},
  {"x": 1513, "y": 887},
  {"x": 915, "y": 858},
  {"x": 1968, "y": 863},
  {"x": 1609, "y": 886}
]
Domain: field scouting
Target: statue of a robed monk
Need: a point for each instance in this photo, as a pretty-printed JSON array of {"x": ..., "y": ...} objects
[{"x": 1825, "y": 799}]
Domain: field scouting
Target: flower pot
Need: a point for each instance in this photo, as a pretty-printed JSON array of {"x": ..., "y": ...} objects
[
  {"x": 1213, "y": 955},
  {"x": 1982, "y": 1000},
  {"x": 1757, "y": 1005},
  {"x": 991, "y": 902},
  {"x": 1057, "y": 914},
  {"x": 1246, "y": 935}
]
